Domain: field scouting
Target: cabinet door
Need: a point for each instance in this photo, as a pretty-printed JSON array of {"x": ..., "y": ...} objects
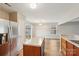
[
  {"x": 27, "y": 50},
  {"x": 13, "y": 16},
  {"x": 69, "y": 50},
  {"x": 36, "y": 51},
  {"x": 63, "y": 46},
  {"x": 4, "y": 49},
  {"x": 63, "y": 43},
  {"x": 76, "y": 51}
]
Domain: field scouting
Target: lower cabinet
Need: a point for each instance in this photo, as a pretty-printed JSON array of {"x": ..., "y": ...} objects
[
  {"x": 3, "y": 49},
  {"x": 29, "y": 50},
  {"x": 68, "y": 49},
  {"x": 76, "y": 51},
  {"x": 63, "y": 46},
  {"x": 32, "y": 50}
]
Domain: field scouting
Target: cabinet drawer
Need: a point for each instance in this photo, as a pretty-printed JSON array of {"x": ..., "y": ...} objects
[{"x": 4, "y": 49}]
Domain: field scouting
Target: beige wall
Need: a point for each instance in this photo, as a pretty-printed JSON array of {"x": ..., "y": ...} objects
[{"x": 4, "y": 14}]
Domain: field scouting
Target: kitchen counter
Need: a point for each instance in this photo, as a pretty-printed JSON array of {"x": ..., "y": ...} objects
[
  {"x": 73, "y": 39},
  {"x": 34, "y": 41}
]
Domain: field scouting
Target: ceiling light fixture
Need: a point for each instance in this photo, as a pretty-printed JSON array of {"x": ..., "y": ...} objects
[
  {"x": 33, "y": 5},
  {"x": 40, "y": 24}
]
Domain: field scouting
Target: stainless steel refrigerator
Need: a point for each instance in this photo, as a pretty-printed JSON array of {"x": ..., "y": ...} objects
[
  {"x": 13, "y": 36},
  {"x": 8, "y": 37}
]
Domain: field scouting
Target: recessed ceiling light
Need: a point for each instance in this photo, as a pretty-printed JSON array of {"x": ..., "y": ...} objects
[
  {"x": 40, "y": 24},
  {"x": 33, "y": 5}
]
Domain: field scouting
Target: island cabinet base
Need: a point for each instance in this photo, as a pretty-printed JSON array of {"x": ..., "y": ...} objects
[
  {"x": 33, "y": 48},
  {"x": 29, "y": 50}
]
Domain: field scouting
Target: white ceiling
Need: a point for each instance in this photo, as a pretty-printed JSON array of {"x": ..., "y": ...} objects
[{"x": 48, "y": 12}]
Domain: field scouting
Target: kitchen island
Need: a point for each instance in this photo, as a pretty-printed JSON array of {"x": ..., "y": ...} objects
[
  {"x": 33, "y": 47},
  {"x": 70, "y": 45}
]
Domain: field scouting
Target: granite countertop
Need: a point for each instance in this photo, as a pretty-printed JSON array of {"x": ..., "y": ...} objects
[
  {"x": 34, "y": 41},
  {"x": 73, "y": 39}
]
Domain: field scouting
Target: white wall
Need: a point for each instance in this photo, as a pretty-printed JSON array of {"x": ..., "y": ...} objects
[
  {"x": 42, "y": 30},
  {"x": 69, "y": 28}
]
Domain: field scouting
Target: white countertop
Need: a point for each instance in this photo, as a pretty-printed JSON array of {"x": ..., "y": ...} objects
[
  {"x": 34, "y": 41},
  {"x": 72, "y": 37}
]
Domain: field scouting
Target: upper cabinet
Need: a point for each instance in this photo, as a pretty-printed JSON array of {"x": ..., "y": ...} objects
[
  {"x": 13, "y": 16},
  {"x": 4, "y": 15}
]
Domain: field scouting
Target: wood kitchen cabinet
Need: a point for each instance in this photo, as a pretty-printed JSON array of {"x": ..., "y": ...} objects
[
  {"x": 29, "y": 50},
  {"x": 33, "y": 50},
  {"x": 68, "y": 48},
  {"x": 13, "y": 16},
  {"x": 4, "y": 49},
  {"x": 63, "y": 46},
  {"x": 75, "y": 51},
  {"x": 4, "y": 44}
]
